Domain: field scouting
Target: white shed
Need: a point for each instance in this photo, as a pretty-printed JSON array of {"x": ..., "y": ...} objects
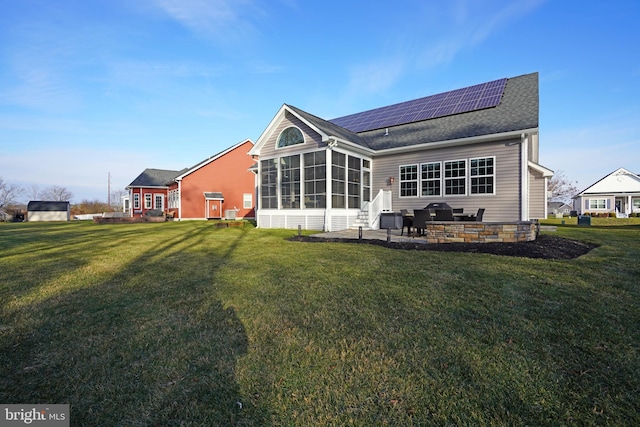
[{"x": 48, "y": 211}]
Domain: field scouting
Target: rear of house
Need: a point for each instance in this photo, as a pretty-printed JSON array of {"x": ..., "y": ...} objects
[
  {"x": 473, "y": 148},
  {"x": 48, "y": 211}
]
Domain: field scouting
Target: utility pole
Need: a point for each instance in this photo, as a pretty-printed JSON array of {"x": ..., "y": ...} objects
[{"x": 109, "y": 190}]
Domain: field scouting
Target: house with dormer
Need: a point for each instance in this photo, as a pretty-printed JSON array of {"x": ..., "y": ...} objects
[{"x": 475, "y": 147}]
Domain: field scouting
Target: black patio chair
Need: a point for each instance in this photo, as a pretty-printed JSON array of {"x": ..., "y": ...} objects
[
  {"x": 444, "y": 215},
  {"x": 420, "y": 218},
  {"x": 479, "y": 215},
  {"x": 407, "y": 222}
]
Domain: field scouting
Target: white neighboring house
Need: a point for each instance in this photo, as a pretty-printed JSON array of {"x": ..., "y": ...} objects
[
  {"x": 617, "y": 192},
  {"x": 48, "y": 211}
]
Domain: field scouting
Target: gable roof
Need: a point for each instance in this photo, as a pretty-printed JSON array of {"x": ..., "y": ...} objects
[
  {"x": 205, "y": 162},
  {"x": 619, "y": 181},
  {"x": 516, "y": 112},
  {"x": 47, "y": 206},
  {"x": 155, "y": 178}
]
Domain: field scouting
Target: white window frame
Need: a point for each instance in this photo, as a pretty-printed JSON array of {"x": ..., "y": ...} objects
[
  {"x": 402, "y": 181},
  {"x": 492, "y": 176},
  {"x": 597, "y": 206},
  {"x": 148, "y": 200},
  {"x": 247, "y": 200},
  {"x": 464, "y": 178},
  {"x": 136, "y": 200},
  {"x": 425, "y": 180},
  {"x": 278, "y": 147},
  {"x": 155, "y": 201}
]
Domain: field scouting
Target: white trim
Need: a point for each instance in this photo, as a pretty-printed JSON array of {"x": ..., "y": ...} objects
[
  {"x": 277, "y": 147},
  {"x": 455, "y": 142}
]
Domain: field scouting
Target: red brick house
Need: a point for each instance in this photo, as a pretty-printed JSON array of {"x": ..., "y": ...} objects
[{"x": 220, "y": 187}]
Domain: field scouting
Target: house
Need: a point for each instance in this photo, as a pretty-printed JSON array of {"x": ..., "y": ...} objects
[
  {"x": 48, "y": 211},
  {"x": 221, "y": 186},
  {"x": 617, "y": 192},
  {"x": 559, "y": 209},
  {"x": 475, "y": 147}
]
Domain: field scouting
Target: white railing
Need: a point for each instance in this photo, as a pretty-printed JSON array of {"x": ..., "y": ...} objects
[{"x": 380, "y": 203}]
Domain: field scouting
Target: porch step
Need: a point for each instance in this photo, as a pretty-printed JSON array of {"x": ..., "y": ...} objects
[{"x": 362, "y": 220}]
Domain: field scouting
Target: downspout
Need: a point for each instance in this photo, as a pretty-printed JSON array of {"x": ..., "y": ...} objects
[
  {"x": 180, "y": 200},
  {"x": 524, "y": 173}
]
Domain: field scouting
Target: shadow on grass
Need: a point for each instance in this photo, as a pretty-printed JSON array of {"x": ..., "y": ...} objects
[{"x": 152, "y": 344}]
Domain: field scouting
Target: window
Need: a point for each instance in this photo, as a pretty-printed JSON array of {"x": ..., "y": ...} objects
[
  {"x": 454, "y": 177},
  {"x": 409, "y": 181},
  {"x": 366, "y": 180},
  {"x": 159, "y": 202},
  {"x": 290, "y": 182},
  {"x": 482, "y": 173},
  {"x": 290, "y": 136},
  {"x": 147, "y": 201},
  {"x": 136, "y": 201},
  {"x": 247, "y": 200},
  {"x": 636, "y": 205},
  {"x": 597, "y": 203},
  {"x": 338, "y": 180},
  {"x": 315, "y": 179},
  {"x": 269, "y": 184},
  {"x": 174, "y": 197},
  {"x": 353, "y": 181},
  {"x": 430, "y": 179}
]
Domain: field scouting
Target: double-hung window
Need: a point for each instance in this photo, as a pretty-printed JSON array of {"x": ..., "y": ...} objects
[
  {"x": 482, "y": 172},
  {"x": 409, "y": 181},
  {"x": 147, "y": 201},
  {"x": 455, "y": 175},
  {"x": 430, "y": 176},
  {"x": 136, "y": 201}
]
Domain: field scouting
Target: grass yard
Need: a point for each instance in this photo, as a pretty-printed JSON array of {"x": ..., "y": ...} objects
[{"x": 181, "y": 323}]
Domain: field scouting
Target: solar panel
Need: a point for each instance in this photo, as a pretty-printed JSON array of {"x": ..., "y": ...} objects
[{"x": 485, "y": 95}]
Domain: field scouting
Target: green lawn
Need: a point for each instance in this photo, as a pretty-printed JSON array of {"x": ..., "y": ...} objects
[{"x": 181, "y": 323}]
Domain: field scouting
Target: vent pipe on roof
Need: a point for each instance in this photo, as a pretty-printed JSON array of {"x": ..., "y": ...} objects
[{"x": 386, "y": 132}]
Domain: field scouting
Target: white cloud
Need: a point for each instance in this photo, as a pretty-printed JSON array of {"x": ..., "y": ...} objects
[{"x": 224, "y": 20}]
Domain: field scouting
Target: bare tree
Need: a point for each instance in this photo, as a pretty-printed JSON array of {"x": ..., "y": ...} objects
[
  {"x": 9, "y": 193},
  {"x": 32, "y": 192},
  {"x": 55, "y": 193},
  {"x": 116, "y": 198},
  {"x": 560, "y": 188}
]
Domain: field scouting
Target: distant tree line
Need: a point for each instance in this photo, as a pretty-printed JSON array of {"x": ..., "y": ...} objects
[{"x": 13, "y": 199}]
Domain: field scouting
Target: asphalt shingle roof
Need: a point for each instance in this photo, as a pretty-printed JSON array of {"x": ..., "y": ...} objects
[
  {"x": 517, "y": 110},
  {"x": 155, "y": 178}
]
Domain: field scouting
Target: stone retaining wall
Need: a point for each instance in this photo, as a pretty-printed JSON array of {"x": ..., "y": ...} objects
[{"x": 480, "y": 232}]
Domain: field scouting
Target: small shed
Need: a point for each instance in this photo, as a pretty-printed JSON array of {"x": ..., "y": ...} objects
[{"x": 48, "y": 211}]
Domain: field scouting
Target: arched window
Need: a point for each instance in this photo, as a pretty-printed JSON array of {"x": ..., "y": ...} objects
[{"x": 290, "y": 136}]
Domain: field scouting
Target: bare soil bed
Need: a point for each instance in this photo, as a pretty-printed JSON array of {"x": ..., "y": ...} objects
[{"x": 545, "y": 246}]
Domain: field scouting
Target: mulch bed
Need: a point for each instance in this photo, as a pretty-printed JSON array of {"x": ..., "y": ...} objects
[{"x": 545, "y": 246}]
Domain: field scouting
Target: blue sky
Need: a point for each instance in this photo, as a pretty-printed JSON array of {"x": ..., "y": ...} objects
[{"x": 89, "y": 88}]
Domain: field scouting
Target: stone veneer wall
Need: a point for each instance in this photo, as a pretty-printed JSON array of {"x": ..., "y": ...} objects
[{"x": 480, "y": 232}]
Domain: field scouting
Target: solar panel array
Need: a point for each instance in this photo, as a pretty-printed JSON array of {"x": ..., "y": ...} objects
[{"x": 485, "y": 95}]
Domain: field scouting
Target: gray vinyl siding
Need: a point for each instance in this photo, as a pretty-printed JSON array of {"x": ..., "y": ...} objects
[
  {"x": 312, "y": 139},
  {"x": 537, "y": 196},
  {"x": 504, "y": 205}
]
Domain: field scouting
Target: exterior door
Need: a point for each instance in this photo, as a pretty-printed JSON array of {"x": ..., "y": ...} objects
[{"x": 214, "y": 209}]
